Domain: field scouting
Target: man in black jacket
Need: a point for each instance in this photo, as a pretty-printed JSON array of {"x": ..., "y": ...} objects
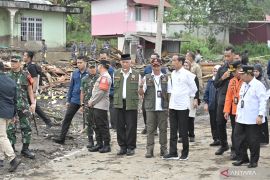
[
  {"x": 7, "y": 112},
  {"x": 221, "y": 83}
]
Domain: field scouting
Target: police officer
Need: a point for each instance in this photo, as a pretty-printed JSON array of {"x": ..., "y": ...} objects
[
  {"x": 250, "y": 116},
  {"x": 24, "y": 89},
  {"x": 8, "y": 101},
  {"x": 87, "y": 85},
  {"x": 100, "y": 102},
  {"x": 126, "y": 84},
  {"x": 156, "y": 105},
  {"x": 73, "y": 98}
]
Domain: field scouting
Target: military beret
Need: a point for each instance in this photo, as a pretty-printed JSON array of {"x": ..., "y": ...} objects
[
  {"x": 247, "y": 69},
  {"x": 234, "y": 65},
  {"x": 125, "y": 57}
]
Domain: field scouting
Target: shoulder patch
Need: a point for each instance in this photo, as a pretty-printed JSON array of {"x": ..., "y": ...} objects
[{"x": 104, "y": 84}]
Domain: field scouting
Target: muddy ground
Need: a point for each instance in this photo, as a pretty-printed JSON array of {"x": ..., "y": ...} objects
[{"x": 73, "y": 161}]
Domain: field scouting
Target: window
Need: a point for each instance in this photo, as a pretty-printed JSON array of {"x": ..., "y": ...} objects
[
  {"x": 138, "y": 13},
  {"x": 153, "y": 15},
  {"x": 31, "y": 29}
]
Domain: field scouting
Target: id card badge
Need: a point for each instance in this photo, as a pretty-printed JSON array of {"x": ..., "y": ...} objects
[
  {"x": 159, "y": 93},
  {"x": 235, "y": 100},
  {"x": 242, "y": 104}
]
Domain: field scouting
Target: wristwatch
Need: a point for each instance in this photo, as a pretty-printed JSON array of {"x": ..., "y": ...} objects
[
  {"x": 261, "y": 116},
  {"x": 82, "y": 104}
]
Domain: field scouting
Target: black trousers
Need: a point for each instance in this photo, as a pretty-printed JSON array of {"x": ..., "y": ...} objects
[
  {"x": 247, "y": 136},
  {"x": 213, "y": 124},
  {"x": 179, "y": 119},
  {"x": 71, "y": 111},
  {"x": 42, "y": 115},
  {"x": 221, "y": 124},
  {"x": 101, "y": 127},
  {"x": 190, "y": 127},
  {"x": 113, "y": 116},
  {"x": 126, "y": 127},
  {"x": 232, "y": 117},
  {"x": 264, "y": 132}
]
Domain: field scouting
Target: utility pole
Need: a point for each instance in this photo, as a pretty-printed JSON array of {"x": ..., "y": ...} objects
[{"x": 159, "y": 27}]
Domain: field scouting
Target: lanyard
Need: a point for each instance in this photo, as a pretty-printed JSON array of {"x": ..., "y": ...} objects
[
  {"x": 158, "y": 84},
  {"x": 246, "y": 90}
]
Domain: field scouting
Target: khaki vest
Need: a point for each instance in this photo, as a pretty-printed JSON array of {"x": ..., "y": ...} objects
[
  {"x": 150, "y": 93},
  {"x": 132, "y": 97}
]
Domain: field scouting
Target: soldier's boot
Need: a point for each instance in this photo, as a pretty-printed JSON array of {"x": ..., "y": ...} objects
[
  {"x": 90, "y": 142},
  {"x": 14, "y": 164},
  {"x": 105, "y": 149},
  {"x": 96, "y": 148},
  {"x": 26, "y": 152},
  {"x": 149, "y": 153}
]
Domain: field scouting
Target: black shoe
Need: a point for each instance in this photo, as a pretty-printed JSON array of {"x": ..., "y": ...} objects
[
  {"x": 130, "y": 152},
  {"x": 95, "y": 148},
  {"x": 144, "y": 131},
  {"x": 122, "y": 151},
  {"x": 240, "y": 162},
  {"x": 14, "y": 164},
  {"x": 183, "y": 158},
  {"x": 26, "y": 152},
  {"x": 1, "y": 163},
  {"x": 59, "y": 140},
  {"x": 221, "y": 150},
  {"x": 233, "y": 156},
  {"x": 170, "y": 156},
  {"x": 191, "y": 139},
  {"x": 180, "y": 140},
  {"x": 105, "y": 149},
  {"x": 91, "y": 142},
  {"x": 215, "y": 143},
  {"x": 252, "y": 165}
]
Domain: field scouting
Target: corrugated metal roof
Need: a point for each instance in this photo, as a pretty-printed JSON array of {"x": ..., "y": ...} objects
[
  {"x": 151, "y": 2},
  {"x": 37, "y": 1}
]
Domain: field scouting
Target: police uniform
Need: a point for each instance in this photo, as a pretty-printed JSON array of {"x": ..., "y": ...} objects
[
  {"x": 23, "y": 80},
  {"x": 231, "y": 101},
  {"x": 250, "y": 108},
  {"x": 126, "y": 100},
  {"x": 87, "y": 85},
  {"x": 100, "y": 103},
  {"x": 156, "y": 106}
]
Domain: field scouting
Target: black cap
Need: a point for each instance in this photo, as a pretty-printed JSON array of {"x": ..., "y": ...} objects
[
  {"x": 125, "y": 57},
  {"x": 247, "y": 69},
  {"x": 234, "y": 65},
  {"x": 104, "y": 62},
  {"x": 15, "y": 59}
]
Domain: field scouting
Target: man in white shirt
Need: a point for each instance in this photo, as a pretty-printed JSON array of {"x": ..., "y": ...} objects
[
  {"x": 181, "y": 87},
  {"x": 249, "y": 117},
  {"x": 154, "y": 88}
]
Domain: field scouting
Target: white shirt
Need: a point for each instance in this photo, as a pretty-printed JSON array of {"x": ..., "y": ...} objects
[
  {"x": 157, "y": 83},
  {"x": 126, "y": 75},
  {"x": 253, "y": 95},
  {"x": 181, "y": 86}
]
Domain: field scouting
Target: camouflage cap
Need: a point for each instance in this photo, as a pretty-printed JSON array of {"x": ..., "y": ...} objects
[{"x": 15, "y": 59}]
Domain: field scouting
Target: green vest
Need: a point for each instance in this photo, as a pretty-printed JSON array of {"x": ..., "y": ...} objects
[
  {"x": 132, "y": 97},
  {"x": 150, "y": 93}
]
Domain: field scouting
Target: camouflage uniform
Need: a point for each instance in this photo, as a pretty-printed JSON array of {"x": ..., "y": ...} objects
[
  {"x": 87, "y": 85},
  {"x": 21, "y": 79}
]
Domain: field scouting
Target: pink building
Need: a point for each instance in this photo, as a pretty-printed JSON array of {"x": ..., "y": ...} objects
[{"x": 132, "y": 22}]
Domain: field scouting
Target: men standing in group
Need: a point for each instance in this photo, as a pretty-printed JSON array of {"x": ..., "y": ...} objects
[
  {"x": 182, "y": 87},
  {"x": 87, "y": 86},
  {"x": 126, "y": 84},
  {"x": 8, "y": 101},
  {"x": 222, "y": 80},
  {"x": 100, "y": 103},
  {"x": 24, "y": 90},
  {"x": 156, "y": 102},
  {"x": 232, "y": 99},
  {"x": 249, "y": 117},
  {"x": 73, "y": 98},
  {"x": 32, "y": 69}
]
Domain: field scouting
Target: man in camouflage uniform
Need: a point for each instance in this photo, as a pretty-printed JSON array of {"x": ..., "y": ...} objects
[
  {"x": 24, "y": 89},
  {"x": 87, "y": 85}
]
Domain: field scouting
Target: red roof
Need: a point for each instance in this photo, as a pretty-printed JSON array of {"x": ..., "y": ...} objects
[{"x": 151, "y": 2}]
